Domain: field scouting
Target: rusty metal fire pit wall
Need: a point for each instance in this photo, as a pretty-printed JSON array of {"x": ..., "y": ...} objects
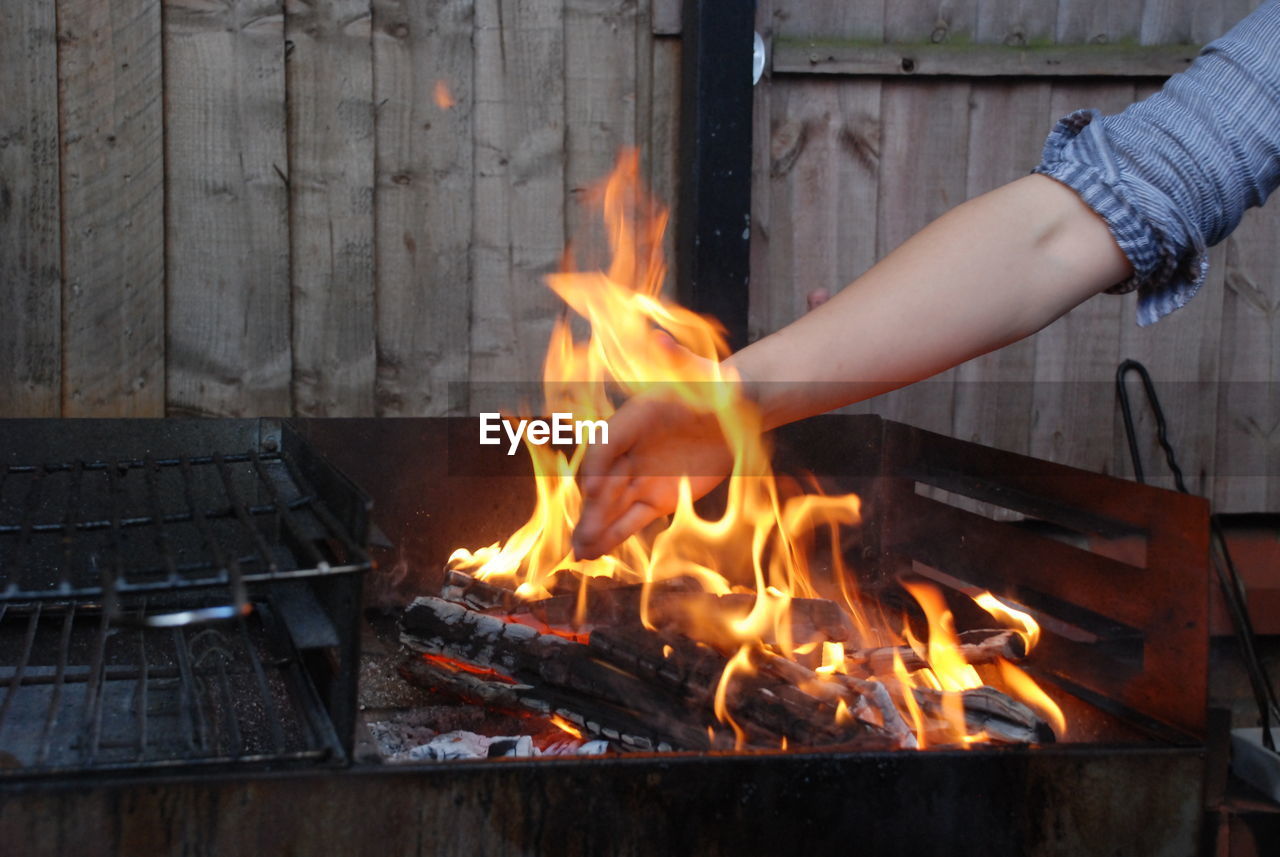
[{"x": 1116, "y": 573}]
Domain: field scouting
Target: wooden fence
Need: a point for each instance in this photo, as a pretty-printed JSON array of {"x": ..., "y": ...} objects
[
  {"x": 850, "y": 165},
  {"x": 343, "y": 207}
]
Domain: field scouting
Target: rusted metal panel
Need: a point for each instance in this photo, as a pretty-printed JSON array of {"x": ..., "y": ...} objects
[{"x": 1039, "y": 802}]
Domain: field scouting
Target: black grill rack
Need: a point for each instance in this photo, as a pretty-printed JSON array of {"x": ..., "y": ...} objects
[
  {"x": 89, "y": 529},
  {"x": 161, "y": 608},
  {"x": 83, "y": 694}
]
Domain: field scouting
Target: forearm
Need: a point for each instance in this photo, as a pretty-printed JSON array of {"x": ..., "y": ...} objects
[{"x": 987, "y": 273}]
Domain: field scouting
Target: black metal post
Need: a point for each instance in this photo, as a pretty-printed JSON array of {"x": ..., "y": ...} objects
[{"x": 714, "y": 232}]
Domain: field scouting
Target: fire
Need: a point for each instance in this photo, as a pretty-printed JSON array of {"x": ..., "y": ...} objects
[
  {"x": 642, "y": 343},
  {"x": 565, "y": 726},
  {"x": 443, "y": 97}
]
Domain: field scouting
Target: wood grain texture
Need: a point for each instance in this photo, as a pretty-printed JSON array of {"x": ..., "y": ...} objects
[
  {"x": 1247, "y": 463},
  {"x": 818, "y": 149},
  {"x": 1007, "y": 127},
  {"x": 599, "y": 110},
  {"x": 30, "y": 220},
  {"x": 331, "y": 153},
  {"x": 425, "y": 95},
  {"x": 924, "y": 145},
  {"x": 110, "y": 72},
  {"x": 914, "y": 59},
  {"x": 228, "y": 349},
  {"x": 518, "y": 230},
  {"x": 1210, "y": 20},
  {"x": 659, "y": 128}
]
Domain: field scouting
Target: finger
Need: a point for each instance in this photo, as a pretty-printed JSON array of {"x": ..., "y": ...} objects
[
  {"x": 635, "y": 518},
  {"x": 609, "y": 498},
  {"x": 602, "y": 459}
]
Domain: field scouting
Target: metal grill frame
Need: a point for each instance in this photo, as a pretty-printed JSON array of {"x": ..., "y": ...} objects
[{"x": 306, "y": 525}]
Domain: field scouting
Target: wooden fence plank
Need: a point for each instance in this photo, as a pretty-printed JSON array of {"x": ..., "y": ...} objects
[
  {"x": 329, "y": 72},
  {"x": 1006, "y": 136},
  {"x": 924, "y": 145},
  {"x": 658, "y": 128},
  {"x": 112, "y": 208},
  {"x": 1248, "y": 432},
  {"x": 665, "y": 17},
  {"x": 519, "y": 222},
  {"x": 599, "y": 108},
  {"x": 228, "y": 349},
  {"x": 30, "y": 240},
  {"x": 912, "y": 59},
  {"x": 423, "y": 77},
  {"x": 1210, "y": 20},
  {"x": 815, "y": 224}
]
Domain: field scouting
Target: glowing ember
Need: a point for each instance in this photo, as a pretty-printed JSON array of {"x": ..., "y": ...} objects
[
  {"x": 462, "y": 666},
  {"x": 566, "y": 726},
  {"x": 761, "y": 544}
]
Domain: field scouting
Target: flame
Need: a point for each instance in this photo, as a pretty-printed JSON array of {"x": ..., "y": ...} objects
[
  {"x": 566, "y": 726},
  {"x": 444, "y": 98},
  {"x": 833, "y": 660},
  {"x": 1024, "y": 687},
  {"x": 641, "y": 343},
  {"x": 1027, "y": 628}
]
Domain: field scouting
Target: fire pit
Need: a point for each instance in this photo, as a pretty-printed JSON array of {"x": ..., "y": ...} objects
[{"x": 1126, "y": 777}]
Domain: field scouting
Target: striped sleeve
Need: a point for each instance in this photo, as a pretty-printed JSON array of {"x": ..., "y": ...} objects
[{"x": 1174, "y": 174}]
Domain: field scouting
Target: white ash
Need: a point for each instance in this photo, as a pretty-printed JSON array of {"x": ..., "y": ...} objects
[{"x": 461, "y": 744}]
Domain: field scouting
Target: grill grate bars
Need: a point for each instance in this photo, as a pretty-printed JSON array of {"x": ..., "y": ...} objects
[{"x": 103, "y": 565}]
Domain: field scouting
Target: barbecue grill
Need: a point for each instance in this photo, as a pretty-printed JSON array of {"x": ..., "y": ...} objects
[
  {"x": 1116, "y": 573},
  {"x": 168, "y": 592}
]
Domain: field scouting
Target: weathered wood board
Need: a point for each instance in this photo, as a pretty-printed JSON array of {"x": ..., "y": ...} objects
[
  {"x": 331, "y": 160},
  {"x": 30, "y": 214},
  {"x": 227, "y": 215},
  {"x": 113, "y": 306}
]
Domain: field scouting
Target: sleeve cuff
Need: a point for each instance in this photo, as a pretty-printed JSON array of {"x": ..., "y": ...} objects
[{"x": 1166, "y": 275}]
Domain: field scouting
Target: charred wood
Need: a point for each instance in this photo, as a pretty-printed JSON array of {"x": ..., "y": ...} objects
[
  {"x": 976, "y": 647},
  {"x": 989, "y": 710}
]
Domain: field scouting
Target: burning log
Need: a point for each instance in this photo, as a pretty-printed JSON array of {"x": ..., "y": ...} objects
[
  {"x": 674, "y": 604},
  {"x": 976, "y": 647},
  {"x": 869, "y": 701},
  {"x": 811, "y": 619},
  {"x": 988, "y": 710},
  {"x": 462, "y": 588},
  {"x": 665, "y": 681}
]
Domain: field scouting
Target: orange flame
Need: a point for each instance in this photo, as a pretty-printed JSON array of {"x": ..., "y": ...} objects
[
  {"x": 444, "y": 98},
  {"x": 1024, "y": 687},
  {"x": 566, "y": 726},
  {"x": 763, "y": 540}
]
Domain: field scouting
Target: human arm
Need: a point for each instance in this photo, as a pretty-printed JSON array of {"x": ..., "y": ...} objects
[{"x": 987, "y": 273}]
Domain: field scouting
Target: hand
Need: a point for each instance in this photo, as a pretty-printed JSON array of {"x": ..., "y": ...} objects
[{"x": 635, "y": 478}]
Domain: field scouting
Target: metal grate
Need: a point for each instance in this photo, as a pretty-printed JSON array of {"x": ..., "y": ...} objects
[
  {"x": 89, "y": 529},
  {"x": 138, "y": 610},
  {"x": 80, "y": 693}
]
